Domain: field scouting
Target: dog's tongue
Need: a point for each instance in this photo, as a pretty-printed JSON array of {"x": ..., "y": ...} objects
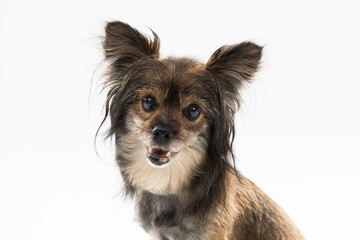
[{"x": 158, "y": 152}]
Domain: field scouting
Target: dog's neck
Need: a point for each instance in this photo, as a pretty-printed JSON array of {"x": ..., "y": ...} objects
[{"x": 174, "y": 215}]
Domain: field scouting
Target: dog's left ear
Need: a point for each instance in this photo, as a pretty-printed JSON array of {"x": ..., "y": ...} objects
[{"x": 234, "y": 64}]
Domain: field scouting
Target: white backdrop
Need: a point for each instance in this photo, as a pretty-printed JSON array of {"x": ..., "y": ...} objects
[{"x": 298, "y": 134}]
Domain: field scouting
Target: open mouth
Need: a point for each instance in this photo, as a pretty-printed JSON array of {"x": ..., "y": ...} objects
[{"x": 158, "y": 156}]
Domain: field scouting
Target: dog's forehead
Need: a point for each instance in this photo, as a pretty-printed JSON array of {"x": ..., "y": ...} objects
[{"x": 178, "y": 76}]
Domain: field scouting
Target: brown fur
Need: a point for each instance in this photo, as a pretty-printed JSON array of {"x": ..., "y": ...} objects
[
  {"x": 251, "y": 214},
  {"x": 198, "y": 194}
]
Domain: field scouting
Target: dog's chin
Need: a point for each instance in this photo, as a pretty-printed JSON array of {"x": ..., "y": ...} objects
[{"x": 159, "y": 157}]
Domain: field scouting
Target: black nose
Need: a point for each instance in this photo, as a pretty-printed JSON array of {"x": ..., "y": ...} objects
[{"x": 162, "y": 134}]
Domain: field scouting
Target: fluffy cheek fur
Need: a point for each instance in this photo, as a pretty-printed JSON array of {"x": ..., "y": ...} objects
[{"x": 142, "y": 175}]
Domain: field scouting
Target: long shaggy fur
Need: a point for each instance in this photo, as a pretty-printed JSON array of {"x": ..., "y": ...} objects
[{"x": 198, "y": 194}]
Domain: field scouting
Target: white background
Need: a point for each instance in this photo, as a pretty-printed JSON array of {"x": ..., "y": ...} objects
[{"x": 298, "y": 132}]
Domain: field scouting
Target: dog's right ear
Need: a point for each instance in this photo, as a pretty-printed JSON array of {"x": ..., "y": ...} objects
[{"x": 124, "y": 45}]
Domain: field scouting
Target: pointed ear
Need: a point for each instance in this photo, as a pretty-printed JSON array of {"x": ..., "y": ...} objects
[
  {"x": 124, "y": 45},
  {"x": 235, "y": 64}
]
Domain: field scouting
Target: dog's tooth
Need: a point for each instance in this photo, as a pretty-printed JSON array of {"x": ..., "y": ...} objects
[
  {"x": 168, "y": 153},
  {"x": 150, "y": 149}
]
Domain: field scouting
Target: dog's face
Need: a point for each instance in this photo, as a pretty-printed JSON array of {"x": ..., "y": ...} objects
[
  {"x": 166, "y": 129},
  {"x": 168, "y": 115},
  {"x": 171, "y": 110}
]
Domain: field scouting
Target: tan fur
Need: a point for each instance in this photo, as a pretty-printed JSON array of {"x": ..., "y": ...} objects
[{"x": 230, "y": 221}]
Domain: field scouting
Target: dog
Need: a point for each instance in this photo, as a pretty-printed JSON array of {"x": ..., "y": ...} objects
[{"x": 173, "y": 124}]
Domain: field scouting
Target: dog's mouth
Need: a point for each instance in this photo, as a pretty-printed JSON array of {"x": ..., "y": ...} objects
[{"x": 159, "y": 156}]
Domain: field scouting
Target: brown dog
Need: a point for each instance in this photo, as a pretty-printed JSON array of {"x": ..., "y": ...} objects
[{"x": 173, "y": 122}]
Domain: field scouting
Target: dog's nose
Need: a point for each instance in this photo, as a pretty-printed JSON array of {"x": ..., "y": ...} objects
[{"x": 162, "y": 134}]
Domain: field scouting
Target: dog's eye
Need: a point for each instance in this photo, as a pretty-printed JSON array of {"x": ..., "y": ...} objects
[
  {"x": 149, "y": 103},
  {"x": 192, "y": 112}
]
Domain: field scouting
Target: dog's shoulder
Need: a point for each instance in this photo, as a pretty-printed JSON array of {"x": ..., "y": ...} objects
[{"x": 250, "y": 214}]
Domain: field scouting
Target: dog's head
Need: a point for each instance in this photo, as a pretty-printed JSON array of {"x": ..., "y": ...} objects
[{"x": 172, "y": 118}]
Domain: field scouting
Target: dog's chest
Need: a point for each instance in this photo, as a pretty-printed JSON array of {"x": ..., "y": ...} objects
[{"x": 166, "y": 218}]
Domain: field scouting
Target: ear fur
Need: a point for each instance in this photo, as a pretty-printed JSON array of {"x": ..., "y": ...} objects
[
  {"x": 235, "y": 63},
  {"x": 124, "y": 45},
  {"x": 229, "y": 66}
]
